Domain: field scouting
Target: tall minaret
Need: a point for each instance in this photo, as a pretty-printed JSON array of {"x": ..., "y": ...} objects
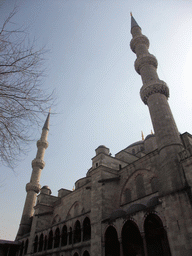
[
  {"x": 33, "y": 187},
  {"x": 155, "y": 93}
]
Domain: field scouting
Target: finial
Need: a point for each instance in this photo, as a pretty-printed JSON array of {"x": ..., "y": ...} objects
[
  {"x": 151, "y": 132},
  {"x": 142, "y": 135},
  {"x": 73, "y": 188},
  {"x": 131, "y": 14},
  {"x": 50, "y": 110}
]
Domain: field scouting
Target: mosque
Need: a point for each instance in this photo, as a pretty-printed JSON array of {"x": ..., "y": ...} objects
[{"x": 137, "y": 203}]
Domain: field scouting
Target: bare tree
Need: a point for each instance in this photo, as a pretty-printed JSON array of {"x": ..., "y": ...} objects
[{"x": 22, "y": 99}]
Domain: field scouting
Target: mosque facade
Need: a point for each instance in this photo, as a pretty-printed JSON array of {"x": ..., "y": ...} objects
[{"x": 136, "y": 203}]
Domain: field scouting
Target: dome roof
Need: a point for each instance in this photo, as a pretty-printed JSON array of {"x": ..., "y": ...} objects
[
  {"x": 45, "y": 187},
  {"x": 153, "y": 201},
  {"x": 150, "y": 136},
  {"x": 135, "y": 208},
  {"x": 136, "y": 143},
  {"x": 119, "y": 213}
]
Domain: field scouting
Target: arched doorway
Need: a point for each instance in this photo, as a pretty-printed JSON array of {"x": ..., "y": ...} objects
[
  {"x": 57, "y": 238},
  {"x": 86, "y": 229},
  {"x": 41, "y": 243},
  {"x": 156, "y": 237},
  {"x": 35, "y": 244},
  {"x": 112, "y": 247},
  {"x": 131, "y": 240},
  {"x": 50, "y": 240},
  {"x": 86, "y": 253},
  {"x": 64, "y": 236},
  {"x": 77, "y": 232}
]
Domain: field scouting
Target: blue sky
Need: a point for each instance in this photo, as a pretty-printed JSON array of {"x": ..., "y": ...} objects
[{"x": 91, "y": 67}]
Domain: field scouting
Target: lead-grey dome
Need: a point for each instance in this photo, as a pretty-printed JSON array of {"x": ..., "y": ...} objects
[
  {"x": 119, "y": 213},
  {"x": 135, "y": 208}
]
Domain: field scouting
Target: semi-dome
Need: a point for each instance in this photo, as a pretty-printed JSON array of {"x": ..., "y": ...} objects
[
  {"x": 154, "y": 201},
  {"x": 119, "y": 213},
  {"x": 135, "y": 208}
]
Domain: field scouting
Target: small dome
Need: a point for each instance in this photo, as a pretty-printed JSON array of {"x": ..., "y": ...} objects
[
  {"x": 45, "y": 187},
  {"x": 102, "y": 149},
  {"x": 46, "y": 190},
  {"x": 119, "y": 213},
  {"x": 135, "y": 208},
  {"x": 154, "y": 201}
]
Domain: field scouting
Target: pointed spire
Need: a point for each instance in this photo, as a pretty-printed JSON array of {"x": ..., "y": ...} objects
[
  {"x": 133, "y": 22},
  {"x": 142, "y": 135},
  {"x": 46, "y": 124}
]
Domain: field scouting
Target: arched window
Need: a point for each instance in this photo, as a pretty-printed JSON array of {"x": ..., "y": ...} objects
[
  {"x": 21, "y": 249},
  {"x": 70, "y": 235},
  {"x": 45, "y": 243},
  {"x": 86, "y": 229},
  {"x": 156, "y": 237},
  {"x": 41, "y": 243},
  {"x": 57, "y": 238},
  {"x": 86, "y": 253},
  {"x": 64, "y": 236},
  {"x": 50, "y": 240},
  {"x": 76, "y": 254},
  {"x": 127, "y": 195},
  {"x": 26, "y": 246},
  {"x": 154, "y": 184},
  {"x": 131, "y": 239},
  {"x": 140, "y": 189},
  {"x": 112, "y": 247},
  {"x": 35, "y": 244},
  {"x": 77, "y": 232}
]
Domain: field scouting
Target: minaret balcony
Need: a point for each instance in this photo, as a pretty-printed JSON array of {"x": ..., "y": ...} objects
[
  {"x": 158, "y": 87},
  {"x": 38, "y": 163},
  {"x": 139, "y": 40},
  {"x": 33, "y": 187},
  {"x": 42, "y": 143},
  {"x": 145, "y": 59}
]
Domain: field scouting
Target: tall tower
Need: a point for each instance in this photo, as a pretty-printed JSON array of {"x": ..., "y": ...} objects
[
  {"x": 154, "y": 93},
  {"x": 33, "y": 187},
  {"x": 173, "y": 190}
]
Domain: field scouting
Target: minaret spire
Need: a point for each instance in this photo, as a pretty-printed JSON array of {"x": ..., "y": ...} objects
[
  {"x": 155, "y": 93},
  {"x": 33, "y": 187},
  {"x": 133, "y": 21}
]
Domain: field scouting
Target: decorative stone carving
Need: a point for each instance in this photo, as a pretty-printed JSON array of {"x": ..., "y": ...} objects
[
  {"x": 141, "y": 39},
  {"x": 159, "y": 87}
]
